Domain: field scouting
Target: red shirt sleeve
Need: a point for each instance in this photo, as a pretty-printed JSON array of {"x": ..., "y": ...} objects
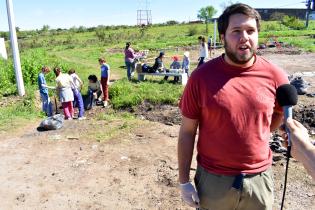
[{"x": 189, "y": 103}]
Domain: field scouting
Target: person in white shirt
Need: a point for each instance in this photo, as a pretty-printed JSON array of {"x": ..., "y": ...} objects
[
  {"x": 64, "y": 88},
  {"x": 203, "y": 50},
  {"x": 78, "y": 100}
]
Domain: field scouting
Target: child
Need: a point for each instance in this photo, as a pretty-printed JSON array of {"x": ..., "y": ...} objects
[
  {"x": 64, "y": 87},
  {"x": 105, "y": 72},
  {"x": 203, "y": 50},
  {"x": 186, "y": 62},
  {"x": 76, "y": 93},
  {"x": 175, "y": 65},
  {"x": 94, "y": 91},
  {"x": 43, "y": 90}
]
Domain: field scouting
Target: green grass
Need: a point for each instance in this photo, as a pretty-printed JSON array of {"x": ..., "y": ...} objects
[
  {"x": 124, "y": 94},
  {"x": 81, "y": 51},
  {"x": 19, "y": 111}
]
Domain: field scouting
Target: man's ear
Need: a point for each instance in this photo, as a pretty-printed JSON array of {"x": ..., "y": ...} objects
[{"x": 222, "y": 38}]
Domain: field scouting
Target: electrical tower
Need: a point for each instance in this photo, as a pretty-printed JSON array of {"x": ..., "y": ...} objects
[{"x": 144, "y": 16}]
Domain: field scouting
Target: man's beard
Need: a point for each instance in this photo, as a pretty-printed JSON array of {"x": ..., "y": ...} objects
[{"x": 243, "y": 59}]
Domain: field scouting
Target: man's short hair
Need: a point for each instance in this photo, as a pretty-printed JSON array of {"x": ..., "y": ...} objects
[{"x": 223, "y": 21}]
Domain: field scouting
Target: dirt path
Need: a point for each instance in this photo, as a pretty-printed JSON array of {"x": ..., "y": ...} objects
[{"x": 134, "y": 169}]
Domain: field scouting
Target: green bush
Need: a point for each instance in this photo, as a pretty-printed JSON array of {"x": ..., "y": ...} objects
[
  {"x": 31, "y": 64},
  {"x": 271, "y": 26},
  {"x": 126, "y": 94},
  {"x": 192, "y": 30},
  {"x": 293, "y": 22}
]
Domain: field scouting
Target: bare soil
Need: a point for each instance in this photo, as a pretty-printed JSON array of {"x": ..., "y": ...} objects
[{"x": 136, "y": 169}]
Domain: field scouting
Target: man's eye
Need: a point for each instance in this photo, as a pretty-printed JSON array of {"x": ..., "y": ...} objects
[{"x": 251, "y": 31}]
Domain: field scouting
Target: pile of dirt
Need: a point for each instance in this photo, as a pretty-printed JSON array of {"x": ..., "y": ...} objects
[
  {"x": 306, "y": 115},
  {"x": 163, "y": 113}
]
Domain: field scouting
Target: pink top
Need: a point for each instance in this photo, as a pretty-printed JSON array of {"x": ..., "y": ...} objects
[{"x": 129, "y": 54}]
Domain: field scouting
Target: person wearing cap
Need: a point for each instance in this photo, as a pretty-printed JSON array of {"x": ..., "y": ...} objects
[
  {"x": 231, "y": 102},
  {"x": 174, "y": 65},
  {"x": 158, "y": 64},
  {"x": 186, "y": 63}
]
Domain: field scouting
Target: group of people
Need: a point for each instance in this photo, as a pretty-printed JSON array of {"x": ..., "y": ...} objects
[
  {"x": 231, "y": 102},
  {"x": 131, "y": 58},
  {"x": 68, "y": 88}
]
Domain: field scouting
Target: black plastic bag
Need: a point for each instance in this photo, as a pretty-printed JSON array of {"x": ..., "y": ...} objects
[{"x": 52, "y": 123}]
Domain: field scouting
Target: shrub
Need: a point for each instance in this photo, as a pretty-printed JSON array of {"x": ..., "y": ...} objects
[
  {"x": 192, "y": 30},
  {"x": 292, "y": 22},
  {"x": 100, "y": 34},
  {"x": 172, "y": 22},
  {"x": 271, "y": 26}
]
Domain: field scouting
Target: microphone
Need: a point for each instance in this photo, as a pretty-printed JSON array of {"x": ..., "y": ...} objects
[{"x": 287, "y": 97}]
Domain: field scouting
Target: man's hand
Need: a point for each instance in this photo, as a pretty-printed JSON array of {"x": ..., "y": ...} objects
[{"x": 189, "y": 194}]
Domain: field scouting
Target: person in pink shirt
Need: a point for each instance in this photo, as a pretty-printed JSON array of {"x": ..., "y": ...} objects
[
  {"x": 231, "y": 101},
  {"x": 129, "y": 59}
]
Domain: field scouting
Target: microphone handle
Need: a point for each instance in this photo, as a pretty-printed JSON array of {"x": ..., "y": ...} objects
[{"x": 288, "y": 113}]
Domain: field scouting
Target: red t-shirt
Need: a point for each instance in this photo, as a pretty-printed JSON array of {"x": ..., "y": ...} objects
[{"x": 234, "y": 107}]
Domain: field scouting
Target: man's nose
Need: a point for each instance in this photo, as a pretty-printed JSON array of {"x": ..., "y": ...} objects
[{"x": 244, "y": 36}]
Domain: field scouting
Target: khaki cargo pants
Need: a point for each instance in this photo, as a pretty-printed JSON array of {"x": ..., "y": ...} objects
[{"x": 216, "y": 192}]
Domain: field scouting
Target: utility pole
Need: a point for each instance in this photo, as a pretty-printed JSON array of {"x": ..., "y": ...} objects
[
  {"x": 308, "y": 11},
  {"x": 214, "y": 33},
  {"x": 15, "y": 49}
]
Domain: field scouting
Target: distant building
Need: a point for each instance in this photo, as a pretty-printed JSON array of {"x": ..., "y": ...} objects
[
  {"x": 266, "y": 13},
  {"x": 195, "y": 21}
]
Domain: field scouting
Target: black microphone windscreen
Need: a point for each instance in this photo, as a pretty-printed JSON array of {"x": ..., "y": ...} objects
[{"x": 286, "y": 95}]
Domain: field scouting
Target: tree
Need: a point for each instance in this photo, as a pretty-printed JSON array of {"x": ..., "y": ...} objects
[
  {"x": 205, "y": 14},
  {"x": 224, "y": 5},
  {"x": 45, "y": 28}
]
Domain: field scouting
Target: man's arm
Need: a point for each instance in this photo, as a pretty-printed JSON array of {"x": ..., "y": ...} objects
[
  {"x": 186, "y": 142},
  {"x": 276, "y": 120}
]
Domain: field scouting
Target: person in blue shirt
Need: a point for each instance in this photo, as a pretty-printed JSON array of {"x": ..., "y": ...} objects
[
  {"x": 43, "y": 90},
  {"x": 175, "y": 65},
  {"x": 105, "y": 72},
  {"x": 186, "y": 63}
]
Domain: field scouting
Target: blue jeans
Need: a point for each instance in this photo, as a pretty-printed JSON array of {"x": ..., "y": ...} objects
[
  {"x": 46, "y": 104},
  {"x": 78, "y": 101},
  {"x": 129, "y": 66},
  {"x": 90, "y": 98}
]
